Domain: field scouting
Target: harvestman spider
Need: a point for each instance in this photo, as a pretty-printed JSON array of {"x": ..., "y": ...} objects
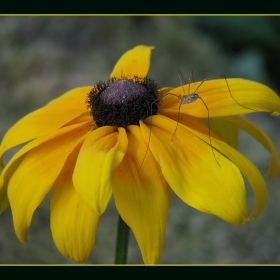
[{"x": 190, "y": 98}]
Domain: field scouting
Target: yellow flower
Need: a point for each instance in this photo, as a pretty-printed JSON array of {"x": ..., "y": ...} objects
[{"x": 85, "y": 153}]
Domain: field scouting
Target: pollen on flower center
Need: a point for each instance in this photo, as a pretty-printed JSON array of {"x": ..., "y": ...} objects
[
  {"x": 123, "y": 102},
  {"x": 121, "y": 91}
]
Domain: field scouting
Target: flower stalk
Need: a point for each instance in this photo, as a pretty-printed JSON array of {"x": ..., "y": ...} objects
[
  {"x": 111, "y": 128},
  {"x": 122, "y": 242}
]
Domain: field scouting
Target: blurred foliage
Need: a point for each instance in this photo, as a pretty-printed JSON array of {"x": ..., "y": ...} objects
[{"x": 43, "y": 57}]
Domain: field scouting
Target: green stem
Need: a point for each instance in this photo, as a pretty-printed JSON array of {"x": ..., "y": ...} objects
[{"x": 122, "y": 242}]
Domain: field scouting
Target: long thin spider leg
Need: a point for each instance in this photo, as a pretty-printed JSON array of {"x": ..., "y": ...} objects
[
  {"x": 224, "y": 77},
  {"x": 150, "y": 133},
  {"x": 190, "y": 98},
  {"x": 209, "y": 130}
]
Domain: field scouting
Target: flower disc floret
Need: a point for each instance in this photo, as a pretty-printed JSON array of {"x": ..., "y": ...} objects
[{"x": 123, "y": 102}]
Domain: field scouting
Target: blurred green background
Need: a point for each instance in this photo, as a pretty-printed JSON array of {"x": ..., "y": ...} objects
[{"x": 43, "y": 57}]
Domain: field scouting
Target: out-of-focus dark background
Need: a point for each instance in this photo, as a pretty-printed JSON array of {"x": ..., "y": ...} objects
[{"x": 43, "y": 57}]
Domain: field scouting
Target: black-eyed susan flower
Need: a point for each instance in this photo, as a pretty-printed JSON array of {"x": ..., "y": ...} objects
[{"x": 128, "y": 138}]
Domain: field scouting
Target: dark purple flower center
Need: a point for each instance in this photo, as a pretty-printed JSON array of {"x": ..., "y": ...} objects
[{"x": 123, "y": 102}]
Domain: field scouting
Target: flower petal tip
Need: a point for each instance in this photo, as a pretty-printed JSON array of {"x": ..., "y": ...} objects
[
  {"x": 135, "y": 62},
  {"x": 22, "y": 236}
]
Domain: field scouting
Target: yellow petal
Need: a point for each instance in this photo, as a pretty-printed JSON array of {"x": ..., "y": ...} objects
[
  {"x": 47, "y": 119},
  {"x": 15, "y": 161},
  {"x": 35, "y": 175},
  {"x": 83, "y": 118},
  {"x": 73, "y": 225},
  {"x": 102, "y": 151},
  {"x": 4, "y": 202},
  {"x": 244, "y": 97},
  {"x": 227, "y": 131},
  {"x": 244, "y": 165},
  {"x": 164, "y": 91},
  {"x": 261, "y": 137},
  {"x": 210, "y": 184},
  {"x": 142, "y": 196},
  {"x": 135, "y": 62}
]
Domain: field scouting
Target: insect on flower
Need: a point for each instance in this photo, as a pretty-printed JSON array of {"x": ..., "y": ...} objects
[
  {"x": 189, "y": 97},
  {"x": 84, "y": 168}
]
